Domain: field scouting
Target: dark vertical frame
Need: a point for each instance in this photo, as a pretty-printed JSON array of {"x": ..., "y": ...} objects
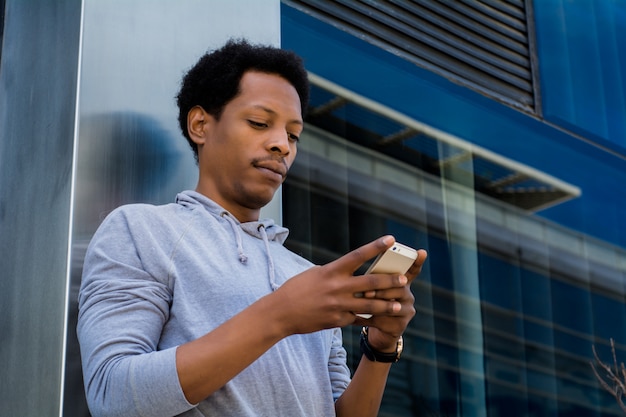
[
  {"x": 533, "y": 56},
  {"x": 2, "y": 5},
  {"x": 39, "y": 66}
]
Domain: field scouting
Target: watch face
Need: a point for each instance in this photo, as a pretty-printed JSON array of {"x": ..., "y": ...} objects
[
  {"x": 375, "y": 356},
  {"x": 399, "y": 347}
]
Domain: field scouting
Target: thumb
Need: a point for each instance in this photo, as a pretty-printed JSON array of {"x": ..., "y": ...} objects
[{"x": 353, "y": 260}]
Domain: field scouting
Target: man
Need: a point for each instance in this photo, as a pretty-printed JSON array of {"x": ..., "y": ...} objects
[{"x": 196, "y": 308}]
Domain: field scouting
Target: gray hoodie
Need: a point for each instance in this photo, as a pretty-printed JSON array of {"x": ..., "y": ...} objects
[{"x": 156, "y": 277}]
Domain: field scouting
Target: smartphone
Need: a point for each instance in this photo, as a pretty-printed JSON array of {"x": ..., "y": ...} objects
[{"x": 395, "y": 260}]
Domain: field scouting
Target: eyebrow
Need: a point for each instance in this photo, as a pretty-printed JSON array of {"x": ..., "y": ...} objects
[{"x": 272, "y": 112}]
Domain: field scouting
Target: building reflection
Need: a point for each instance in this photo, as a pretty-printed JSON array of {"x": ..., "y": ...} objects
[{"x": 123, "y": 158}]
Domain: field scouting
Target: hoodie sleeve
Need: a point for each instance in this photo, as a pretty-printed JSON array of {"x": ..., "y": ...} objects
[
  {"x": 122, "y": 311},
  {"x": 337, "y": 368}
]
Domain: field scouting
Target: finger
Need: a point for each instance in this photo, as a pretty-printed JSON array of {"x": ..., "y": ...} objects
[
  {"x": 416, "y": 268},
  {"x": 369, "y": 294},
  {"x": 383, "y": 285},
  {"x": 380, "y": 307},
  {"x": 354, "y": 259},
  {"x": 366, "y": 286},
  {"x": 390, "y": 294}
]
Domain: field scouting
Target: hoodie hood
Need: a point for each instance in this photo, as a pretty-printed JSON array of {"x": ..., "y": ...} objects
[
  {"x": 264, "y": 229},
  {"x": 274, "y": 232}
]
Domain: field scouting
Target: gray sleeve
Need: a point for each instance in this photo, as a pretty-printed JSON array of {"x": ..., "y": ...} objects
[
  {"x": 337, "y": 367},
  {"x": 122, "y": 311}
]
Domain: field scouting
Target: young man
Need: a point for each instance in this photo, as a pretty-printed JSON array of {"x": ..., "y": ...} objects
[{"x": 196, "y": 308}]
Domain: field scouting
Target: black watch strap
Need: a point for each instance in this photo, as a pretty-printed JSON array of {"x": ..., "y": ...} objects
[{"x": 376, "y": 356}]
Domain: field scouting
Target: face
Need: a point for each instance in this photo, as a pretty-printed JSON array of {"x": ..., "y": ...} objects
[{"x": 245, "y": 155}]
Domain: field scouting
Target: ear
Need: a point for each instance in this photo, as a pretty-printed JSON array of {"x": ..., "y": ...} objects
[{"x": 197, "y": 123}]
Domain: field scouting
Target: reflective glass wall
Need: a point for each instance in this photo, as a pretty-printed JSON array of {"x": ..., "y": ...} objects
[
  {"x": 509, "y": 304},
  {"x": 130, "y": 148},
  {"x": 519, "y": 287},
  {"x": 88, "y": 122},
  {"x": 38, "y": 70}
]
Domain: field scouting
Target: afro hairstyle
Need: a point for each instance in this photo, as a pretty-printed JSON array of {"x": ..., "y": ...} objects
[{"x": 215, "y": 79}]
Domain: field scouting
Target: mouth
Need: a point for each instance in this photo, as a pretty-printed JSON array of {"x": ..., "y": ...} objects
[{"x": 272, "y": 168}]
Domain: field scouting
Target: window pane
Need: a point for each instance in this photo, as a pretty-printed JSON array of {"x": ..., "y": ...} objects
[{"x": 507, "y": 306}]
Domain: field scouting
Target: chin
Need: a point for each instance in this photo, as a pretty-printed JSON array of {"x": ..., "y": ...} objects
[
  {"x": 255, "y": 198},
  {"x": 257, "y": 202}
]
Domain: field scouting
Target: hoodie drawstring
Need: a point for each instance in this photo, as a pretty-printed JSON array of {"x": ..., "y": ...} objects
[
  {"x": 270, "y": 261},
  {"x": 242, "y": 256}
]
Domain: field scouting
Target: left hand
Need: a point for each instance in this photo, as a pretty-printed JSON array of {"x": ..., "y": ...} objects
[{"x": 386, "y": 329}]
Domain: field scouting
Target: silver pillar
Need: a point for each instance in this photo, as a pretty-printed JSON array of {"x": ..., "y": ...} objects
[
  {"x": 87, "y": 122},
  {"x": 38, "y": 70}
]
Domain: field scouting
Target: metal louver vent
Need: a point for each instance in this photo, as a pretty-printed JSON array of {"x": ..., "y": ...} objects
[{"x": 481, "y": 44}]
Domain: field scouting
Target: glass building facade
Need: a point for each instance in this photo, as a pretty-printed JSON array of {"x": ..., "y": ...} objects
[
  {"x": 490, "y": 133},
  {"x": 513, "y": 191}
]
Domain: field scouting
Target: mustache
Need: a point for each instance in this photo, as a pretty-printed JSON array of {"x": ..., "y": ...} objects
[{"x": 271, "y": 158}]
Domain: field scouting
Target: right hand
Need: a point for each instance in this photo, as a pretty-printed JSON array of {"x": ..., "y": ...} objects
[{"x": 324, "y": 296}]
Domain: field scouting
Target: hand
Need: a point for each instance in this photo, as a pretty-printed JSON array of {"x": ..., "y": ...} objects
[
  {"x": 386, "y": 329},
  {"x": 324, "y": 296}
]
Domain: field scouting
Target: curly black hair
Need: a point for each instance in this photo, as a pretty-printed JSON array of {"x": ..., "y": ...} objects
[{"x": 214, "y": 80}]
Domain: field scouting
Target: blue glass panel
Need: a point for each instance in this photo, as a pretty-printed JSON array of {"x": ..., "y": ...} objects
[{"x": 543, "y": 300}]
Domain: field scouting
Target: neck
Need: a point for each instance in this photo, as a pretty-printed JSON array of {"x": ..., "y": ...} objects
[{"x": 241, "y": 213}]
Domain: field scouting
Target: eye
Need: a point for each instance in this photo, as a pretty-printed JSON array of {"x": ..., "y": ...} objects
[
  {"x": 257, "y": 125},
  {"x": 293, "y": 137}
]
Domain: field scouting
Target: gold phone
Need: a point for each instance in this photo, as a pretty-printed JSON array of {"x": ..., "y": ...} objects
[{"x": 395, "y": 260}]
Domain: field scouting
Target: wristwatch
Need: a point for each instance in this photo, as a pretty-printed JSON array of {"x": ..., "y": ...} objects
[{"x": 376, "y": 356}]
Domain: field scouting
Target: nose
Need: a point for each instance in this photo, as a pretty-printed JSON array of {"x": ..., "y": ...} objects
[{"x": 279, "y": 143}]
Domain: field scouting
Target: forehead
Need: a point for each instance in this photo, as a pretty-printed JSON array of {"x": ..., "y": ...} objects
[{"x": 259, "y": 88}]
